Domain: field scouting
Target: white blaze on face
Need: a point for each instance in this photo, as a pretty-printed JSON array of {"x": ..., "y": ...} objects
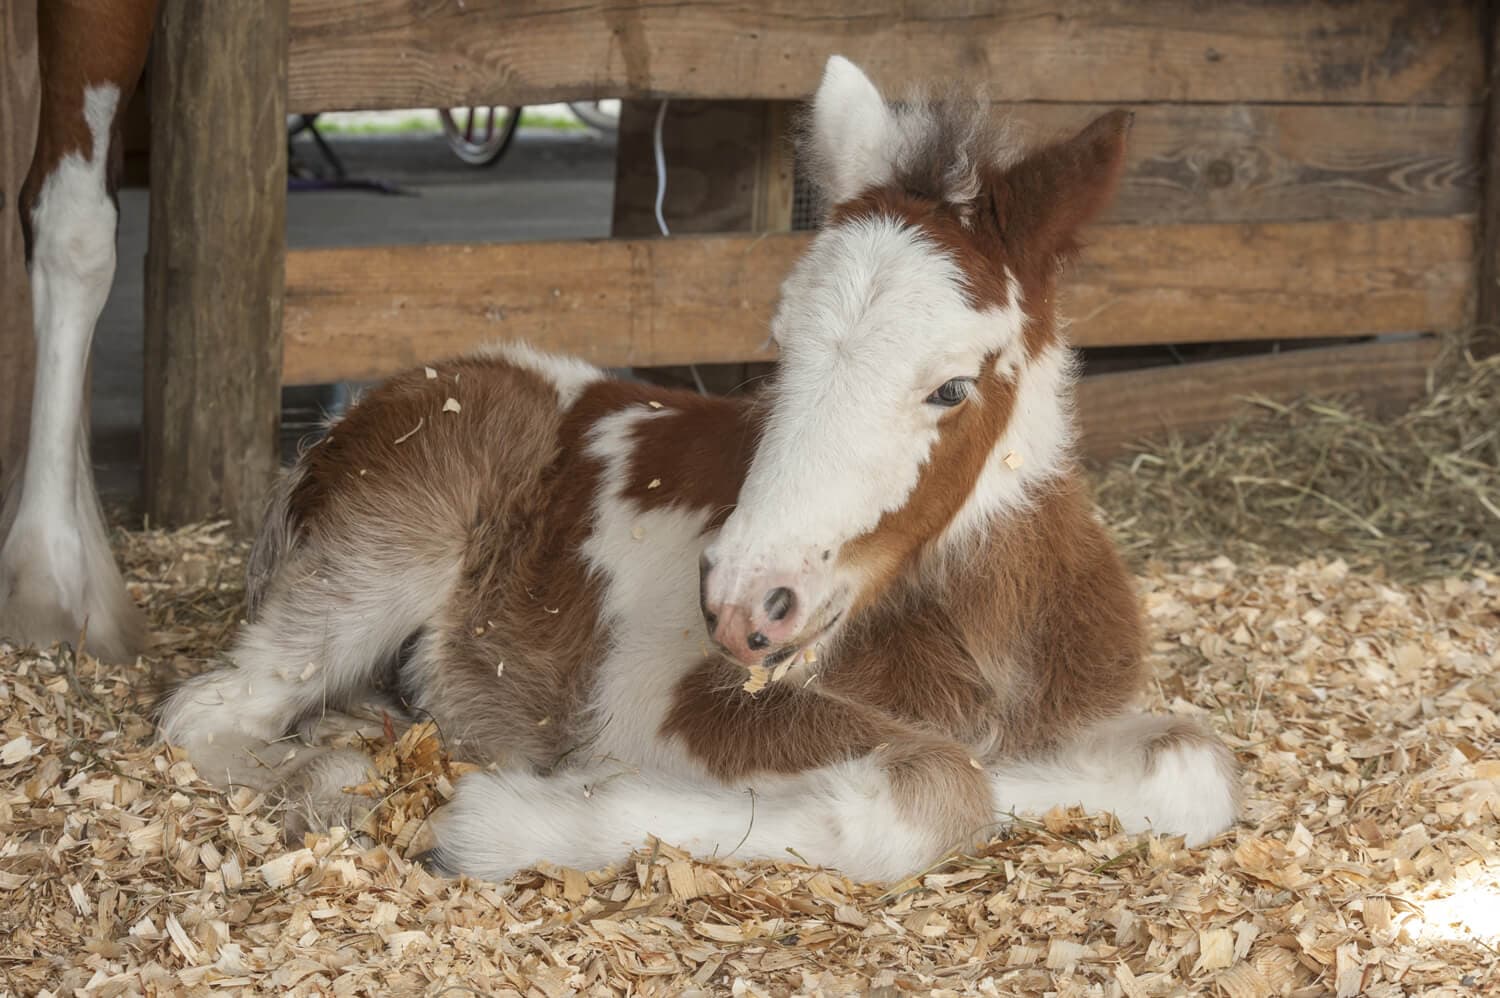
[{"x": 872, "y": 320}]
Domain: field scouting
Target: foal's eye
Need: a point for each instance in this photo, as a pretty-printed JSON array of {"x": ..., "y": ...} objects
[{"x": 951, "y": 393}]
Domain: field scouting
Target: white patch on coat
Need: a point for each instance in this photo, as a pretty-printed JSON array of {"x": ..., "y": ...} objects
[
  {"x": 56, "y": 570},
  {"x": 648, "y": 561},
  {"x": 569, "y": 376},
  {"x": 842, "y": 816},
  {"x": 1040, "y": 435}
]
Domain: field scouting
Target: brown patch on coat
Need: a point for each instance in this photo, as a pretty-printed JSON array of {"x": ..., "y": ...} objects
[
  {"x": 1031, "y": 635},
  {"x": 503, "y": 488},
  {"x": 783, "y": 729},
  {"x": 968, "y": 435},
  {"x": 693, "y": 453},
  {"x": 81, "y": 45},
  {"x": 1004, "y": 654},
  {"x": 788, "y": 729}
]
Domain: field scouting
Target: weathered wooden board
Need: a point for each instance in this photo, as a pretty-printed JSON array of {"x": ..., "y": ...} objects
[
  {"x": 1487, "y": 306},
  {"x": 19, "y": 96},
  {"x": 718, "y": 166},
  {"x": 395, "y": 53},
  {"x": 1117, "y": 410},
  {"x": 1194, "y": 283},
  {"x": 1283, "y": 162},
  {"x": 1187, "y": 162},
  {"x": 361, "y": 313},
  {"x": 729, "y": 169},
  {"x": 214, "y": 266}
]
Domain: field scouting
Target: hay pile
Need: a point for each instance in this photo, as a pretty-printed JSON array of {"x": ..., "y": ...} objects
[
  {"x": 1363, "y": 706},
  {"x": 1419, "y": 494}
]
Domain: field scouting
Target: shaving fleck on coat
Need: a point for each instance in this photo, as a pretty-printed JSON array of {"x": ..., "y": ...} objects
[{"x": 575, "y": 577}]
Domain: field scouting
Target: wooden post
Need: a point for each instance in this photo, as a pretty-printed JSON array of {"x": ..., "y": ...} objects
[
  {"x": 729, "y": 169},
  {"x": 19, "y": 97},
  {"x": 215, "y": 265},
  {"x": 1487, "y": 312}
]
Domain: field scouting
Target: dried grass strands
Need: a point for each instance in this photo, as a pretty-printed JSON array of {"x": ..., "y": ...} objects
[{"x": 1419, "y": 494}]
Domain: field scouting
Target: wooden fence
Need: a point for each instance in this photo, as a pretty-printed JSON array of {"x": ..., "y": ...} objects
[{"x": 1299, "y": 170}]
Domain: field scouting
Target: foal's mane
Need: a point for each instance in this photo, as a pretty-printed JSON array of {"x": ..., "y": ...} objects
[{"x": 946, "y": 138}]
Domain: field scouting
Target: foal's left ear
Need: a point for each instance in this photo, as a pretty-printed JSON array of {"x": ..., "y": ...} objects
[
  {"x": 851, "y": 133},
  {"x": 1044, "y": 200}
]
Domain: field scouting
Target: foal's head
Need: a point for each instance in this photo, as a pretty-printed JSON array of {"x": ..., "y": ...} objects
[{"x": 921, "y": 385}]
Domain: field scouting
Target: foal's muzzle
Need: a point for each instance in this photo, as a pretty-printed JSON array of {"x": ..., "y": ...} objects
[{"x": 751, "y": 630}]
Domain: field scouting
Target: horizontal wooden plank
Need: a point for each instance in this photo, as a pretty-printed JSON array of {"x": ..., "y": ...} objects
[
  {"x": 1284, "y": 280},
  {"x": 361, "y": 313},
  {"x": 395, "y": 53},
  {"x": 1118, "y": 410},
  {"x": 1282, "y": 162}
]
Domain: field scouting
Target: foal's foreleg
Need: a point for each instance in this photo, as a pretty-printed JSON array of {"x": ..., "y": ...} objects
[
  {"x": 874, "y": 818},
  {"x": 792, "y": 773},
  {"x": 1159, "y": 773}
]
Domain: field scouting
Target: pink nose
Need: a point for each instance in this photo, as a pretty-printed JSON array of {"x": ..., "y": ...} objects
[{"x": 750, "y": 633}]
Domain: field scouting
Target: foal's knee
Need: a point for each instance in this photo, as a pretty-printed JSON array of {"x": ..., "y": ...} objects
[{"x": 939, "y": 788}]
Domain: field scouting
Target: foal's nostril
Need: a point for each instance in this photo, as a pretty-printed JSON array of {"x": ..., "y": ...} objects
[
  {"x": 757, "y": 641},
  {"x": 779, "y": 603}
]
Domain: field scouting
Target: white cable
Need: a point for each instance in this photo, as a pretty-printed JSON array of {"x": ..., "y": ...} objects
[
  {"x": 661, "y": 166},
  {"x": 661, "y": 195}
]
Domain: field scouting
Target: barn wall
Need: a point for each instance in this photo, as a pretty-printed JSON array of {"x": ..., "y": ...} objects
[{"x": 1299, "y": 170}]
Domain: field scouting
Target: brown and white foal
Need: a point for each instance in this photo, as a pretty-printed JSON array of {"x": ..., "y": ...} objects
[{"x": 894, "y": 534}]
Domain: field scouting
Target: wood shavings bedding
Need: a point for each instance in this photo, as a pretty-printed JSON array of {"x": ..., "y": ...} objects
[{"x": 1365, "y": 711}]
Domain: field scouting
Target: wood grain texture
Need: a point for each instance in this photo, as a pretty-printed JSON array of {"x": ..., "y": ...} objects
[
  {"x": 1282, "y": 163},
  {"x": 1186, "y": 163},
  {"x": 729, "y": 169},
  {"x": 215, "y": 263},
  {"x": 1487, "y": 301},
  {"x": 395, "y": 53},
  {"x": 19, "y": 97},
  {"x": 1195, "y": 283},
  {"x": 1118, "y": 410},
  {"x": 363, "y": 313},
  {"x": 714, "y": 166}
]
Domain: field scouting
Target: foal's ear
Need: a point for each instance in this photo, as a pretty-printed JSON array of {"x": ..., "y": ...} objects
[
  {"x": 852, "y": 134},
  {"x": 1045, "y": 199}
]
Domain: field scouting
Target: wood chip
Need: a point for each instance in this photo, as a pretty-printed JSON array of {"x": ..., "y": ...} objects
[
  {"x": 1363, "y": 708},
  {"x": 452, "y": 405},
  {"x": 759, "y": 677}
]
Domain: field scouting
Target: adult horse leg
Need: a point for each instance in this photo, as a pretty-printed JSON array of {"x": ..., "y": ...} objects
[{"x": 57, "y": 575}]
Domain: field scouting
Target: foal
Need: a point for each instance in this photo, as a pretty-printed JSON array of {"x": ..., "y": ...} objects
[{"x": 914, "y": 623}]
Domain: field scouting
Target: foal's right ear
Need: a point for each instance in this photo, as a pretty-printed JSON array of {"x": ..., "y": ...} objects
[{"x": 853, "y": 134}]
